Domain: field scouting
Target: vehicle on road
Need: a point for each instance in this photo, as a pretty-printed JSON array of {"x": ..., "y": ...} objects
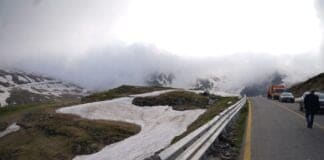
[
  {"x": 274, "y": 91},
  {"x": 300, "y": 100},
  {"x": 287, "y": 97}
]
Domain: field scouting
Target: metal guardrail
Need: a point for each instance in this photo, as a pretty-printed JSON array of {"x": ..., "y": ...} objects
[{"x": 194, "y": 145}]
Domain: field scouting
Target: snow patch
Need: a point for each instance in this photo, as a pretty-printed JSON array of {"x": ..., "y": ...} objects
[
  {"x": 4, "y": 96},
  {"x": 29, "y": 79},
  {"x": 3, "y": 80},
  {"x": 226, "y": 94},
  {"x": 22, "y": 79},
  {"x": 12, "y": 128},
  {"x": 9, "y": 77},
  {"x": 155, "y": 93},
  {"x": 195, "y": 91},
  {"x": 159, "y": 125}
]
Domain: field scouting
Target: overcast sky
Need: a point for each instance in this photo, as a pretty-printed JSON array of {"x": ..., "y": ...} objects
[{"x": 103, "y": 43}]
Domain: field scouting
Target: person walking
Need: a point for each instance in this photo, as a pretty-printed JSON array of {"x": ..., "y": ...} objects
[{"x": 312, "y": 105}]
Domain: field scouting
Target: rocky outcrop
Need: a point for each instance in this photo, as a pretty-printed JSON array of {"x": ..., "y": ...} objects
[{"x": 160, "y": 79}]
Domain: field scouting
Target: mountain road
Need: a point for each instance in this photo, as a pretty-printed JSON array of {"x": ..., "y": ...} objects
[{"x": 279, "y": 132}]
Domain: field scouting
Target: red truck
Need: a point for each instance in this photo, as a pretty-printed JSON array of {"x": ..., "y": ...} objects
[{"x": 274, "y": 91}]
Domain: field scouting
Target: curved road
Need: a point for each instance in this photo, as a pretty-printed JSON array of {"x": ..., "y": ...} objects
[{"x": 279, "y": 132}]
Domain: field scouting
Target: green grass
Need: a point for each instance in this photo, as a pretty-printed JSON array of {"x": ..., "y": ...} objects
[
  {"x": 13, "y": 113},
  {"x": 20, "y": 96},
  {"x": 239, "y": 126},
  {"x": 221, "y": 104},
  {"x": 48, "y": 135},
  {"x": 184, "y": 100},
  {"x": 121, "y": 91},
  {"x": 179, "y": 100},
  {"x": 45, "y": 134}
]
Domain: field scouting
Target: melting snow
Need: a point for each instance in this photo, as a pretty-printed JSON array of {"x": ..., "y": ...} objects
[
  {"x": 23, "y": 79},
  {"x": 225, "y": 94},
  {"x": 159, "y": 125},
  {"x": 155, "y": 93},
  {"x": 52, "y": 88},
  {"x": 44, "y": 86},
  {"x": 9, "y": 77},
  {"x": 3, "y": 96},
  {"x": 4, "y": 80},
  {"x": 12, "y": 128}
]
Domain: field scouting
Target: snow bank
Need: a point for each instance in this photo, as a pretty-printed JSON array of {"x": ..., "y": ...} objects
[
  {"x": 195, "y": 91},
  {"x": 12, "y": 128},
  {"x": 4, "y": 96},
  {"x": 23, "y": 79},
  {"x": 159, "y": 125},
  {"x": 3, "y": 80},
  {"x": 225, "y": 94},
  {"x": 55, "y": 88},
  {"x": 36, "y": 84},
  {"x": 155, "y": 93}
]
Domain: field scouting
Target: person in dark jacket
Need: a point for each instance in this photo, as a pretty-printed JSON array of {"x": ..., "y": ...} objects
[{"x": 312, "y": 105}]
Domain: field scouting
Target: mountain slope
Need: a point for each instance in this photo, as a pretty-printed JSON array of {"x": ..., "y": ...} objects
[
  {"x": 18, "y": 87},
  {"x": 260, "y": 88},
  {"x": 314, "y": 83},
  {"x": 216, "y": 85}
]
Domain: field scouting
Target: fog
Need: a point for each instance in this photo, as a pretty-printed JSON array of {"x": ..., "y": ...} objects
[
  {"x": 82, "y": 49},
  {"x": 108, "y": 67}
]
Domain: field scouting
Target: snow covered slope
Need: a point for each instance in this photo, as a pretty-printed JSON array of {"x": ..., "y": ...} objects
[
  {"x": 20, "y": 88},
  {"x": 219, "y": 86},
  {"x": 159, "y": 125}
]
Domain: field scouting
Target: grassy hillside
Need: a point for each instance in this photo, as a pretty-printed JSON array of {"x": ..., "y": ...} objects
[
  {"x": 184, "y": 100},
  {"x": 19, "y": 96},
  {"x": 179, "y": 100},
  {"x": 314, "y": 83},
  {"x": 45, "y": 134},
  {"x": 212, "y": 110},
  {"x": 121, "y": 91}
]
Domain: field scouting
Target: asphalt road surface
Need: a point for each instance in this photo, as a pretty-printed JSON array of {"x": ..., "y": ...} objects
[{"x": 279, "y": 132}]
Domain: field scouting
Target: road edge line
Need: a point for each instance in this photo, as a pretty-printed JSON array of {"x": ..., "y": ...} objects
[
  {"x": 298, "y": 114},
  {"x": 247, "y": 141}
]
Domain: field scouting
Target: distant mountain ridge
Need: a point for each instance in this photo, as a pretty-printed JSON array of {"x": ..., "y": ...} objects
[
  {"x": 160, "y": 79},
  {"x": 314, "y": 83},
  {"x": 17, "y": 87},
  {"x": 216, "y": 85},
  {"x": 206, "y": 83}
]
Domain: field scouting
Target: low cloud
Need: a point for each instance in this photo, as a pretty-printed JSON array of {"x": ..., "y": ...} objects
[
  {"x": 111, "y": 66},
  {"x": 73, "y": 41},
  {"x": 319, "y": 5}
]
